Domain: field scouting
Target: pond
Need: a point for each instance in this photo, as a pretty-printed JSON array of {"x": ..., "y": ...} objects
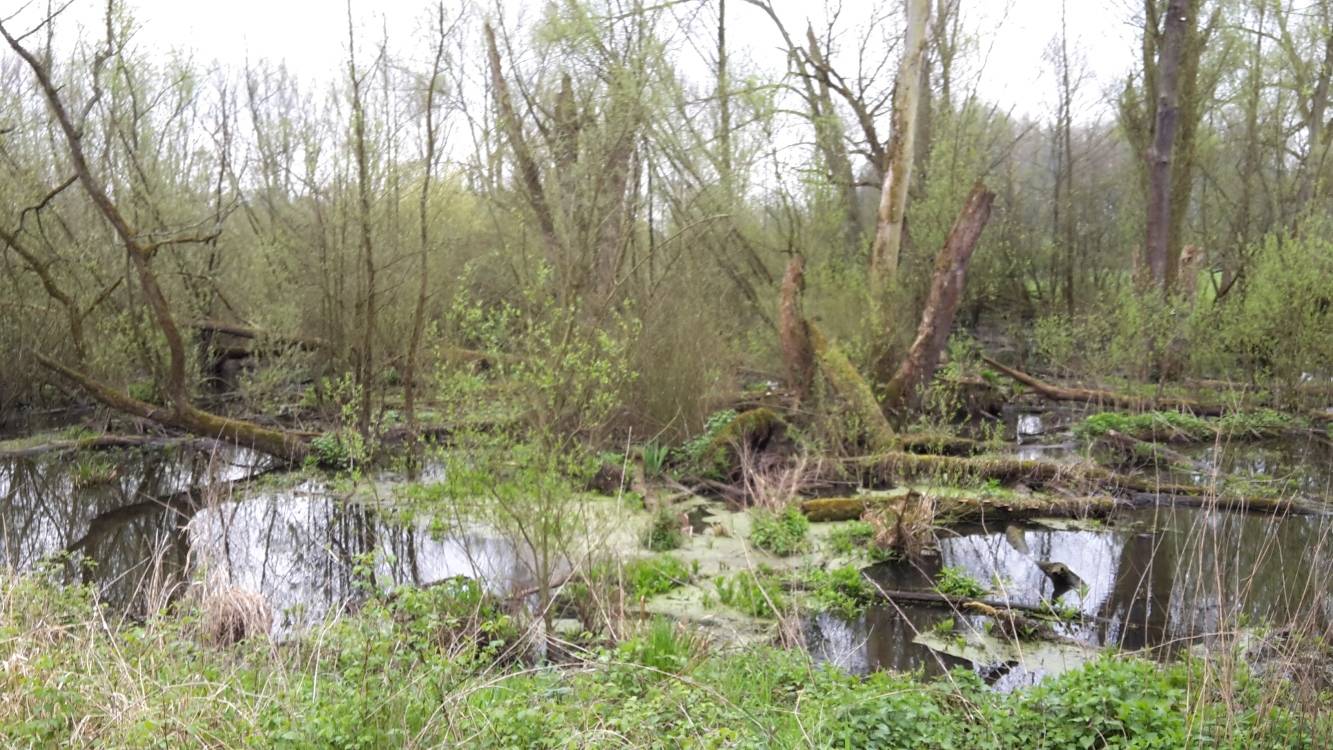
[{"x": 139, "y": 525}]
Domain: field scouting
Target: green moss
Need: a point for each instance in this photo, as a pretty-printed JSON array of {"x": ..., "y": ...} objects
[
  {"x": 713, "y": 453},
  {"x": 1181, "y": 427}
]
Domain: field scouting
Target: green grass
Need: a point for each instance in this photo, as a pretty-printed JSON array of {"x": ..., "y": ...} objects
[
  {"x": 432, "y": 668},
  {"x": 842, "y": 591},
  {"x": 649, "y": 576},
  {"x": 856, "y": 538},
  {"x": 754, "y": 593}
]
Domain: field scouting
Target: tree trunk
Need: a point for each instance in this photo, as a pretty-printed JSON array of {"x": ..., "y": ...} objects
[
  {"x": 1157, "y": 244},
  {"x": 946, "y": 290},
  {"x": 848, "y": 384},
  {"x": 366, "y": 357},
  {"x": 797, "y": 353},
  {"x": 898, "y": 167}
]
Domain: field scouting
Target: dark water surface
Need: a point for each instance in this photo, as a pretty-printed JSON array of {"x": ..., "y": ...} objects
[{"x": 165, "y": 517}]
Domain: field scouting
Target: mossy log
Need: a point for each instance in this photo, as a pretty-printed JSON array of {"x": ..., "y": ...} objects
[
  {"x": 932, "y": 443},
  {"x": 284, "y": 444},
  {"x": 888, "y": 469},
  {"x": 965, "y": 508},
  {"x": 848, "y": 384},
  {"x": 97, "y": 443},
  {"x": 1108, "y": 398},
  {"x": 753, "y": 428}
]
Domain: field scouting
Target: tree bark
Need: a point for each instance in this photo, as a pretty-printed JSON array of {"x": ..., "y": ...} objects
[
  {"x": 797, "y": 353},
  {"x": 1157, "y": 243},
  {"x": 898, "y": 167},
  {"x": 848, "y": 384},
  {"x": 946, "y": 290}
]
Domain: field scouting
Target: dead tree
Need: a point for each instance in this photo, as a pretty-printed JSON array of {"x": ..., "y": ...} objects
[
  {"x": 898, "y": 165},
  {"x": 946, "y": 291}
]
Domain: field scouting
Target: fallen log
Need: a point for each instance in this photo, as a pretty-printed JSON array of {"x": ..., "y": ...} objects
[
  {"x": 993, "y": 608},
  {"x": 894, "y": 468},
  {"x": 99, "y": 442},
  {"x": 931, "y": 443},
  {"x": 287, "y": 445},
  {"x": 1108, "y": 398},
  {"x": 966, "y": 508}
]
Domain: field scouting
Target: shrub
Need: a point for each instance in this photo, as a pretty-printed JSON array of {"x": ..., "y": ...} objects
[
  {"x": 755, "y": 593},
  {"x": 663, "y": 532},
  {"x": 842, "y": 591},
  {"x": 781, "y": 534}
]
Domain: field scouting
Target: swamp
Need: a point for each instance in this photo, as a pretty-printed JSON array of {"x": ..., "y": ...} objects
[{"x": 702, "y": 374}]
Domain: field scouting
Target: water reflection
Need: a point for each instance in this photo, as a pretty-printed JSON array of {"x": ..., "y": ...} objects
[
  {"x": 1157, "y": 580},
  {"x": 124, "y": 512},
  {"x": 152, "y": 520},
  {"x": 310, "y": 554}
]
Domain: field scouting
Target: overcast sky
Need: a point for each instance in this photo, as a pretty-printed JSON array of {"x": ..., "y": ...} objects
[{"x": 310, "y": 36}]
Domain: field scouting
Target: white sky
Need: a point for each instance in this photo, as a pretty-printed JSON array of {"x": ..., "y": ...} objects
[{"x": 310, "y": 36}]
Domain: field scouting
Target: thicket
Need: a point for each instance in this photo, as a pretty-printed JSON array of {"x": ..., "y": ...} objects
[{"x": 593, "y": 229}]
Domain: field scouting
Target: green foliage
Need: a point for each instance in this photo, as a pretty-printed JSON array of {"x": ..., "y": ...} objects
[
  {"x": 1276, "y": 325},
  {"x": 857, "y": 537},
  {"x": 379, "y": 677},
  {"x": 695, "y": 450},
  {"x": 664, "y": 646},
  {"x": 143, "y": 390},
  {"x": 663, "y": 532},
  {"x": 655, "y": 457},
  {"x": 329, "y": 452},
  {"x": 755, "y": 593},
  {"x": 782, "y": 534},
  {"x": 646, "y": 577},
  {"x": 1172, "y": 425},
  {"x": 843, "y": 591},
  {"x": 953, "y": 581}
]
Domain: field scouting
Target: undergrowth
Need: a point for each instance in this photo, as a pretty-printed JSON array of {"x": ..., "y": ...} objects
[{"x": 433, "y": 668}]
